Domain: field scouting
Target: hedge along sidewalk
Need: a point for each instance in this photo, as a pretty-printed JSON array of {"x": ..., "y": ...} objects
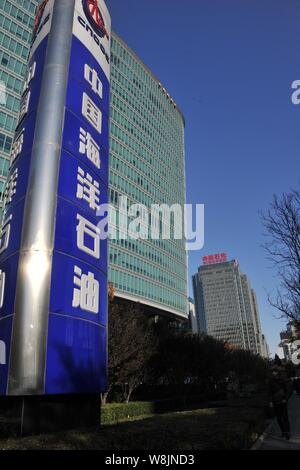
[
  {"x": 112, "y": 413},
  {"x": 115, "y": 412}
]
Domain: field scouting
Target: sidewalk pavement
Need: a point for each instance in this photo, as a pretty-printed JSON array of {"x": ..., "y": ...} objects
[{"x": 273, "y": 439}]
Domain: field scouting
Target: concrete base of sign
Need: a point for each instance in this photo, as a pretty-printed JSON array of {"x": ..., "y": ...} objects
[{"x": 45, "y": 414}]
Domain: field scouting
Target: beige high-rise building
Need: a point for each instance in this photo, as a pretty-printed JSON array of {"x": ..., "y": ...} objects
[{"x": 226, "y": 306}]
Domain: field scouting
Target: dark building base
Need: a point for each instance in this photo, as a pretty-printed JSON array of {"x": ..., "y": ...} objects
[{"x": 45, "y": 414}]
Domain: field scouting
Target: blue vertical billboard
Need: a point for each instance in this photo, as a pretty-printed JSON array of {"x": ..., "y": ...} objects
[{"x": 53, "y": 256}]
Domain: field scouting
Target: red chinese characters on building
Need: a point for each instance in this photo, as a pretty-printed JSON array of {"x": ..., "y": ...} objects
[{"x": 214, "y": 259}]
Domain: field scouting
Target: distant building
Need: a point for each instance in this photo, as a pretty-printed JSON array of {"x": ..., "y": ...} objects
[
  {"x": 252, "y": 318},
  {"x": 265, "y": 351},
  {"x": 192, "y": 317},
  {"x": 287, "y": 345},
  {"x": 261, "y": 339},
  {"x": 226, "y": 306}
]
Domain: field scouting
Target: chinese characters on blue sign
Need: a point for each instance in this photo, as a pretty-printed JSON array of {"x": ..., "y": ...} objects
[{"x": 76, "y": 356}]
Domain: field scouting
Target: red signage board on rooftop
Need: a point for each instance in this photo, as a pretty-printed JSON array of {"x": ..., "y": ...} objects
[{"x": 214, "y": 259}]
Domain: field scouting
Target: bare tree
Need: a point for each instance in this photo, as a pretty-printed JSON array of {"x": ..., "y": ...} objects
[
  {"x": 131, "y": 343},
  {"x": 282, "y": 224}
]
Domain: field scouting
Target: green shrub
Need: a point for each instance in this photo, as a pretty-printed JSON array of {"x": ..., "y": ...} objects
[{"x": 114, "y": 412}]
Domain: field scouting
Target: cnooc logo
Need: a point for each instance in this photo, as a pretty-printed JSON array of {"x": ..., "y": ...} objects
[{"x": 93, "y": 13}]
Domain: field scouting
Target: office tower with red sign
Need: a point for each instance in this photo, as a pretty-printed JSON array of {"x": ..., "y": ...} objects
[{"x": 226, "y": 306}]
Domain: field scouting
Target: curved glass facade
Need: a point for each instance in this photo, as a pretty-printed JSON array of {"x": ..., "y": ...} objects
[
  {"x": 16, "y": 25},
  {"x": 147, "y": 166}
]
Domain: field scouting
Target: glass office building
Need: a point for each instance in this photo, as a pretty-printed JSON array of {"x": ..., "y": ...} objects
[
  {"x": 16, "y": 26},
  {"x": 146, "y": 165},
  {"x": 146, "y": 158}
]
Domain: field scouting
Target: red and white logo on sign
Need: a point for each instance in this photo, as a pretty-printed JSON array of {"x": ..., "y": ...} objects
[{"x": 93, "y": 12}]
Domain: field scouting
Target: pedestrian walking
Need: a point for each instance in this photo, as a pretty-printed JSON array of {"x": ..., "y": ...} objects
[
  {"x": 296, "y": 382},
  {"x": 279, "y": 397}
]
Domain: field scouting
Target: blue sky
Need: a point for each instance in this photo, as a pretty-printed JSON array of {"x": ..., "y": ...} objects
[{"x": 229, "y": 65}]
